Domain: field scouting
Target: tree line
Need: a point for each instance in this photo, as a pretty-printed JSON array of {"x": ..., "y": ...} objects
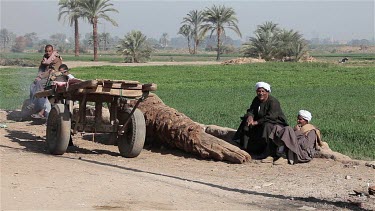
[{"x": 270, "y": 41}]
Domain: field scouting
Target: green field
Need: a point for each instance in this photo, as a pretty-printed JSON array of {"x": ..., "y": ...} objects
[
  {"x": 341, "y": 98},
  {"x": 34, "y": 58}
]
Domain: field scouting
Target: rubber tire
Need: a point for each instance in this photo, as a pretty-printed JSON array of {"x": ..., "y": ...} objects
[
  {"x": 58, "y": 129},
  {"x": 131, "y": 143}
]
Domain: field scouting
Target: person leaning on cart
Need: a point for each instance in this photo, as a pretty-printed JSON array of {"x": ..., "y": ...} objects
[
  {"x": 51, "y": 61},
  {"x": 264, "y": 113},
  {"x": 62, "y": 75}
]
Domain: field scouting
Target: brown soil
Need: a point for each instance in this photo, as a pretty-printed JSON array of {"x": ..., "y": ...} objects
[{"x": 92, "y": 175}]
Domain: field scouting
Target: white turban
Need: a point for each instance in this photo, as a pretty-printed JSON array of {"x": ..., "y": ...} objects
[
  {"x": 305, "y": 115},
  {"x": 263, "y": 85}
]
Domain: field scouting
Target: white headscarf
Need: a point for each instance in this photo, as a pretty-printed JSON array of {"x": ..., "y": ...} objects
[
  {"x": 263, "y": 85},
  {"x": 305, "y": 115}
]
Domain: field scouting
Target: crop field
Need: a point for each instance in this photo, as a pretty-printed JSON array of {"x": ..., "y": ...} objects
[
  {"x": 34, "y": 58},
  {"x": 340, "y": 97}
]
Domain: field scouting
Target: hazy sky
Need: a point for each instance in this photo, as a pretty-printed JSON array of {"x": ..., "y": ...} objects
[{"x": 339, "y": 20}]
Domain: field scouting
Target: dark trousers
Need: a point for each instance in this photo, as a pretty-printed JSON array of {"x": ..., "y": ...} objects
[{"x": 257, "y": 138}]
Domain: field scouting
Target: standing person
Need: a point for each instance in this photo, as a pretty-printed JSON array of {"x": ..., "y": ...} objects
[
  {"x": 301, "y": 143},
  {"x": 264, "y": 113}
]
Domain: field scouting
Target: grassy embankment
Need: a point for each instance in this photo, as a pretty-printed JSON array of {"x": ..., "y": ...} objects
[{"x": 340, "y": 97}]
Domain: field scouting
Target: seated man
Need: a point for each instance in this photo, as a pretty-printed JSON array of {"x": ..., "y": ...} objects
[
  {"x": 40, "y": 104},
  {"x": 300, "y": 144},
  {"x": 264, "y": 113}
]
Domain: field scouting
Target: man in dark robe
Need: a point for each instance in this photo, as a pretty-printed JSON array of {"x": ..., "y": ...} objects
[{"x": 264, "y": 113}]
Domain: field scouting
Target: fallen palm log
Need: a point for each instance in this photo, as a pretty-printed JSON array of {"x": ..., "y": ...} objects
[{"x": 175, "y": 129}]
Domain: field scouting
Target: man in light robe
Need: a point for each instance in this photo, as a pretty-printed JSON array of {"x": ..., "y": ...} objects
[{"x": 299, "y": 144}]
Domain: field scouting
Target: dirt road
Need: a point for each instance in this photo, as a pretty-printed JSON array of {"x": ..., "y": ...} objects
[{"x": 92, "y": 176}]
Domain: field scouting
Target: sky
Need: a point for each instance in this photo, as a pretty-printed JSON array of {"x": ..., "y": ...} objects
[{"x": 337, "y": 20}]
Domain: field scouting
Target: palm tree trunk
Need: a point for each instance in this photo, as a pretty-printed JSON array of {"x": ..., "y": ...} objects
[
  {"x": 195, "y": 47},
  {"x": 166, "y": 125},
  {"x": 105, "y": 42},
  {"x": 218, "y": 45},
  {"x": 76, "y": 38},
  {"x": 95, "y": 35},
  {"x": 197, "y": 44},
  {"x": 189, "y": 45}
]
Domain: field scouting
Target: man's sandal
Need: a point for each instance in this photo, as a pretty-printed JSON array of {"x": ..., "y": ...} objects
[{"x": 37, "y": 116}]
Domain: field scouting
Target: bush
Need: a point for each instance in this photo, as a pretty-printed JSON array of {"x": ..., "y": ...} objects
[{"x": 17, "y": 62}]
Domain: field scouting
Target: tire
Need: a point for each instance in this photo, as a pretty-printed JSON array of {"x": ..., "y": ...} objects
[
  {"x": 58, "y": 129},
  {"x": 130, "y": 144}
]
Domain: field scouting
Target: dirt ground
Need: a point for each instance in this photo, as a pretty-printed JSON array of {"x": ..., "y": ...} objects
[{"x": 93, "y": 176}]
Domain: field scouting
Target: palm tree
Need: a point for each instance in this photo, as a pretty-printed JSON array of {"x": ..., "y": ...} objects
[
  {"x": 265, "y": 43},
  {"x": 195, "y": 20},
  {"x": 104, "y": 38},
  {"x": 185, "y": 30},
  {"x": 93, "y": 10},
  {"x": 299, "y": 46},
  {"x": 164, "y": 40},
  {"x": 217, "y": 19},
  {"x": 70, "y": 10},
  {"x": 4, "y": 37},
  {"x": 270, "y": 42},
  {"x": 134, "y": 45}
]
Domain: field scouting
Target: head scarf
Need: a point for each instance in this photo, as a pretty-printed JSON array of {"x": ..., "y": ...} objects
[
  {"x": 263, "y": 85},
  {"x": 305, "y": 115}
]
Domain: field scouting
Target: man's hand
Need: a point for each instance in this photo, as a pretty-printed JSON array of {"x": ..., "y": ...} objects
[
  {"x": 250, "y": 120},
  {"x": 297, "y": 127}
]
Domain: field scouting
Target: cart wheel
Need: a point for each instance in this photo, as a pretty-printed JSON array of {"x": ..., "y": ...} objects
[
  {"x": 58, "y": 129},
  {"x": 130, "y": 144}
]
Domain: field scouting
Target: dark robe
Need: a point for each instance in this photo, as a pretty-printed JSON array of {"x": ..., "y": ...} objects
[{"x": 267, "y": 114}]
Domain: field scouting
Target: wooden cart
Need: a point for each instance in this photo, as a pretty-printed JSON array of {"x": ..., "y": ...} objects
[{"x": 126, "y": 125}]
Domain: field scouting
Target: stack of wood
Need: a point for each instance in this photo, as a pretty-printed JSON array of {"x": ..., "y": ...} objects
[{"x": 243, "y": 61}]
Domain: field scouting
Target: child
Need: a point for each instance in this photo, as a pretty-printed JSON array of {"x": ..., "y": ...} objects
[{"x": 64, "y": 70}]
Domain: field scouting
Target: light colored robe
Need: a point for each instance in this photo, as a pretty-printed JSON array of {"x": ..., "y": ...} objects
[{"x": 303, "y": 143}]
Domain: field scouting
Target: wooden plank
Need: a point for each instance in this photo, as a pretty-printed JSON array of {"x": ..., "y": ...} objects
[
  {"x": 108, "y": 81},
  {"x": 108, "y": 91},
  {"x": 123, "y": 86},
  {"x": 45, "y": 93},
  {"x": 84, "y": 84}
]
